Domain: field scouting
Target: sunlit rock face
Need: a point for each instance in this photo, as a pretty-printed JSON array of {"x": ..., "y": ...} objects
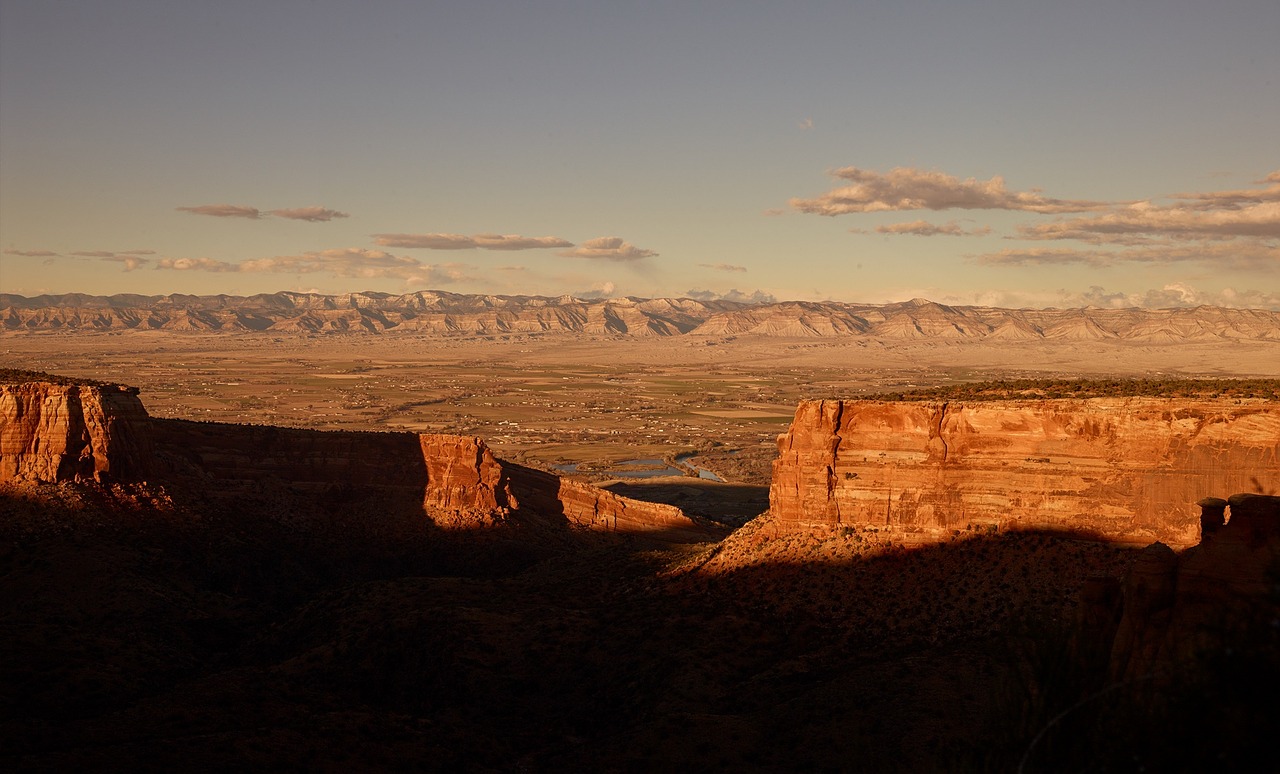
[
  {"x": 1127, "y": 469},
  {"x": 71, "y": 432}
]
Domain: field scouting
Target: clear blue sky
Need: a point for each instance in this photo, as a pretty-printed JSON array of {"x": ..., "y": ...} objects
[{"x": 1011, "y": 153}]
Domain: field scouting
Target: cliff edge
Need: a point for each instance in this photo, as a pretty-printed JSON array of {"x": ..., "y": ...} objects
[
  {"x": 1122, "y": 469},
  {"x": 58, "y": 431}
]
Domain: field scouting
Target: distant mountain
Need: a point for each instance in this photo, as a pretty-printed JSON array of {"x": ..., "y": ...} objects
[{"x": 439, "y": 312}]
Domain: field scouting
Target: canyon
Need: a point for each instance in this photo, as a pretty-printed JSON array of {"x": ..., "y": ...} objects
[{"x": 53, "y": 432}]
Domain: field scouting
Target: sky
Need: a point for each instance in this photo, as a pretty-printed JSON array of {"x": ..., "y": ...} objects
[{"x": 1017, "y": 154}]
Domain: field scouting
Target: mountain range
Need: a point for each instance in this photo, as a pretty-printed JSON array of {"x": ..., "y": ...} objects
[{"x": 438, "y": 312}]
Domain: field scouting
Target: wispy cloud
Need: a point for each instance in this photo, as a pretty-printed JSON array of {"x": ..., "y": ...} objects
[
  {"x": 31, "y": 253},
  {"x": 131, "y": 261},
  {"x": 352, "y": 262},
  {"x": 223, "y": 211},
  {"x": 925, "y": 228},
  {"x": 196, "y": 264},
  {"x": 310, "y": 214},
  {"x": 1244, "y": 256},
  {"x": 464, "y": 242},
  {"x": 609, "y": 249},
  {"x": 1138, "y": 223},
  {"x": 723, "y": 266},
  {"x": 905, "y": 188}
]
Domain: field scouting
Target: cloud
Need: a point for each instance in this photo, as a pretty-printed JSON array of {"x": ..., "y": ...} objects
[
  {"x": 609, "y": 249},
  {"x": 755, "y": 297},
  {"x": 224, "y": 211},
  {"x": 110, "y": 254},
  {"x": 350, "y": 262},
  {"x": 463, "y": 242},
  {"x": 131, "y": 261},
  {"x": 1249, "y": 255},
  {"x": 1138, "y": 223},
  {"x": 1233, "y": 199},
  {"x": 1175, "y": 295},
  {"x": 598, "y": 292},
  {"x": 196, "y": 264},
  {"x": 31, "y": 253},
  {"x": 904, "y": 188},
  {"x": 806, "y": 123},
  {"x": 925, "y": 228},
  {"x": 310, "y": 214},
  {"x": 723, "y": 266}
]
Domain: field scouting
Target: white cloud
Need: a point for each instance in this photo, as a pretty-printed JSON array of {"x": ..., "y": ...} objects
[
  {"x": 609, "y": 249},
  {"x": 905, "y": 188},
  {"x": 598, "y": 291}
]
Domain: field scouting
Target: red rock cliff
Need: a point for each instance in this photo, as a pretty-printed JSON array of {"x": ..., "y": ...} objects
[
  {"x": 1126, "y": 469},
  {"x": 71, "y": 432}
]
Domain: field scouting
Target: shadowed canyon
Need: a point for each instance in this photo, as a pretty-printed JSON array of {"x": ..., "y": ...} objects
[{"x": 981, "y": 578}]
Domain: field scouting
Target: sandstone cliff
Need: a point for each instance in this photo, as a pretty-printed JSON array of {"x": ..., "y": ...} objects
[
  {"x": 57, "y": 432},
  {"x": 1127, "y": 469}
]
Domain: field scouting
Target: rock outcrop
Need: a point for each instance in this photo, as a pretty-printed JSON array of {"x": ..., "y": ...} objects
[
  {"x": 1123, "y": 469},
  {"x": 1221, "y": 593},
  {"x": 53, "y": 431}
]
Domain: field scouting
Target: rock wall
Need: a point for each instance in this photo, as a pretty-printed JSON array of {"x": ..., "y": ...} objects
[
  {"x": 1220, "y": 593},
  {"x": 1127, "y": 469},
  {"x": 73, "y": 432}
]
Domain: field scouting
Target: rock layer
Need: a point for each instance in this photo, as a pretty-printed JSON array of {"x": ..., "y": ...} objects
[
  {"x": 1126, "y": 469},
  {"x": 73, "y": 432}
]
